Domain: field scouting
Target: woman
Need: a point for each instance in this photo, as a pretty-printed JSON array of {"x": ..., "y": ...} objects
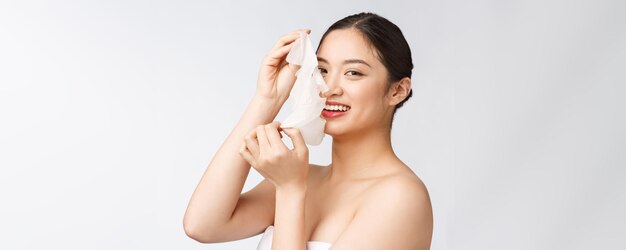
[{"x": 366, "y": 198}]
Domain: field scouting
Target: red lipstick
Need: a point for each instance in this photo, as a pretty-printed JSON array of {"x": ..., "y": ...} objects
[{"x": 333, "y": 111}]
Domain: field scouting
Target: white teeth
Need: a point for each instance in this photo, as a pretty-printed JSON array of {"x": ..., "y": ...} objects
[{"x": 337, "y": 107}]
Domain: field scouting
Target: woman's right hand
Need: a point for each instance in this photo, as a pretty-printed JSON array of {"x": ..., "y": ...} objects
[{"x": 276, "y": 76}]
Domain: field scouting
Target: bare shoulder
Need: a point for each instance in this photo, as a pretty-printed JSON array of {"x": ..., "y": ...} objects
[
  {"x": 399, "y": 186},
  {"x": 395, "y": 213}
]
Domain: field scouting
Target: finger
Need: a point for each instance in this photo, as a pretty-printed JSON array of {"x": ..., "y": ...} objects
[
  {"x": 273, "y": 136},
  {"x": 286, "y": 39},
  {"x": 252, "y": 144},
  {"x": 305, "y": 30},
  {"x": 297, "y": 32},
  {"x": 280, "y": 50},
  {"x": 296, "y": 137},
  {"x": 246, "y": 155},
  {"x": 264, "y": 144},
  {"x": 289, "y": 38},
  {"x": 278, "y": 55},
  {"x": 294, "y": 68}
]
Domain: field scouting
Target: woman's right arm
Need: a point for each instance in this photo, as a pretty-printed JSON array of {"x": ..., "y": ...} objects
[{"x": 217, "y": 210}]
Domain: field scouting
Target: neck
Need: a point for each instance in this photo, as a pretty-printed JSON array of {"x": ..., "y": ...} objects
[{"x": 354, "y": 156}]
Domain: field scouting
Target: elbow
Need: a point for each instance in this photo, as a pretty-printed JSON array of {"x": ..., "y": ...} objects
[{"x": 194, "y": 232}]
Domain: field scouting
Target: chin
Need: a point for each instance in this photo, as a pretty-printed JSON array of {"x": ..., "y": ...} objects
[
  {"x": 330, "y": 130},
  {"x": 335, "y": 129}
]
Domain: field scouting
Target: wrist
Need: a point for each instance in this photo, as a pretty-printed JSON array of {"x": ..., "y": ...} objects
[
  {"x": 273, "y": 103},
  {"x": 291, "y": 190},
  {"x": 263, "y": 104}
]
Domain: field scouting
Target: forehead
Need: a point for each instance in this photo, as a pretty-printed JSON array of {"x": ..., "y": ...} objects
[{"x": 342, "y": 44}]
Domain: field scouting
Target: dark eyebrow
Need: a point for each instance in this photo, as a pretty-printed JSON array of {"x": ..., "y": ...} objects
[{"x": 349, "y": 61}]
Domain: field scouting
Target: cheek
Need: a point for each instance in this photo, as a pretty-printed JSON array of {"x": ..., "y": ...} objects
[{"x": 368, "y": 96}]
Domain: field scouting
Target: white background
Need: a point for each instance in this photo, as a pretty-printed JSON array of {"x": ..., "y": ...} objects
[{"x": 111, "y": 110}]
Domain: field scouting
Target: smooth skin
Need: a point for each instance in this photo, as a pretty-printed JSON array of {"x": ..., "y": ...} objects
[{"x": 367, "y": 198}]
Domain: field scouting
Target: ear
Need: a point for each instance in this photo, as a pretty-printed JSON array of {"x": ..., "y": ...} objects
[{"x": 399, "y": 91}]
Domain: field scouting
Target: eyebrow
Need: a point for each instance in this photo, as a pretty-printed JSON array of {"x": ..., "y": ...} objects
[{"x": 349, "y": 61}]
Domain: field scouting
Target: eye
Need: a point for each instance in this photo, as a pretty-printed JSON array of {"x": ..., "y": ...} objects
[
  {"x": 353, "y": 73},
  {"x": 323, "y": 70}
]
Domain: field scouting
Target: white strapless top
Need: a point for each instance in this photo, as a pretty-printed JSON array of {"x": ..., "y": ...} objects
[{"x": 266, "y": 242}]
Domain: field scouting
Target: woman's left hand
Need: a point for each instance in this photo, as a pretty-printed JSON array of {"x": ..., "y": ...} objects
[{"x": 266, "y": 152}]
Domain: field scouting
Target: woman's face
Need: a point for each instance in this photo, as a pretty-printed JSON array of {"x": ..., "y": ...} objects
[{"x": 357, "y": 79}]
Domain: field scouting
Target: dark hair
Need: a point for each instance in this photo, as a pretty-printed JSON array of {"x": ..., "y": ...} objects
[{"x": 391, "y": 48}]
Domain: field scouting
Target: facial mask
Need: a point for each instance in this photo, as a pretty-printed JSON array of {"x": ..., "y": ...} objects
[{"x": 307, "y": 104}]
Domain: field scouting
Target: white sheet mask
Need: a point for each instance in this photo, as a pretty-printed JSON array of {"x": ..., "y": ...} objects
[{"x": 307, "y": 104}]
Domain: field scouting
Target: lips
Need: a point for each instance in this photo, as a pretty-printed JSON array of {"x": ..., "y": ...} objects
[
  {"x": 335, "y": 103},
  {"x": 335, "y": 109}
]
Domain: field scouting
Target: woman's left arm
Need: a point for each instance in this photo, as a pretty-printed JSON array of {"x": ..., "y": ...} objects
[
  {"x": 289, "y": 220},
  {"x": 287, "y": 169}
]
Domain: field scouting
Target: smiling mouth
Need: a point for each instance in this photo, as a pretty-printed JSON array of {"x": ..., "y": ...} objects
[
  {"x": 336, "y": 108},
  {"x": 333, "y": 111}
]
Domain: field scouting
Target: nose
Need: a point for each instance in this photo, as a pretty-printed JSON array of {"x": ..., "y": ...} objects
[{"x": 333, "y": 88}]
